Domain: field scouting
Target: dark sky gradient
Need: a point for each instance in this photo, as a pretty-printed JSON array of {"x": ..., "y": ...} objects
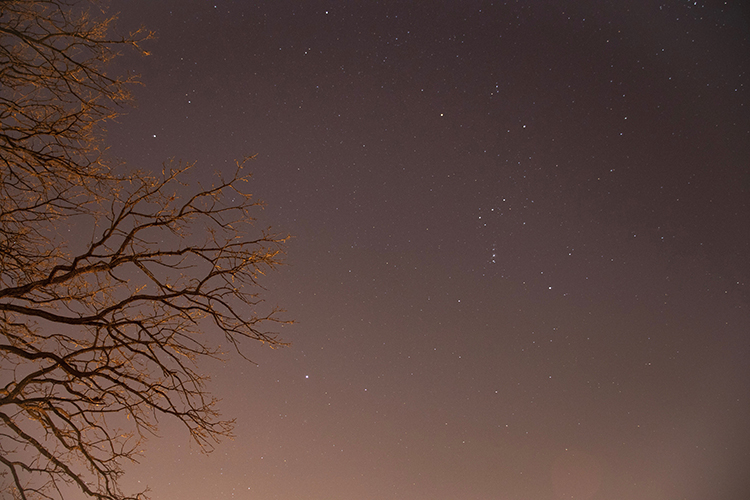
[{"x": 521, "y": 235}]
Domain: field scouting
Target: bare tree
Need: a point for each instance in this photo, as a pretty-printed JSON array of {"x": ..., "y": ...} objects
[{"x": 112, "y": 287}]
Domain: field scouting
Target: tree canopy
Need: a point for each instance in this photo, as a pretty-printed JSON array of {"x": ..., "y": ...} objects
[{"x": 113, "y": 284}]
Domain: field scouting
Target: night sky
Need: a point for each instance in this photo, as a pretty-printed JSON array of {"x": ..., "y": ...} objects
[{"x": 521, "y": 231}]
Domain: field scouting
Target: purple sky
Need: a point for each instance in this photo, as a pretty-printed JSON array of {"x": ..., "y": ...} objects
[{"x": 521, "y": 235}]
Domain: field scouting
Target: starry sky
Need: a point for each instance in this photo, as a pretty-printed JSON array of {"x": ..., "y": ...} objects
[{"x": 520, "y": 265}]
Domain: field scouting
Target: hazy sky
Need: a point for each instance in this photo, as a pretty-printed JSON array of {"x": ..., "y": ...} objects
[{"x": 521, "y": 234}]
